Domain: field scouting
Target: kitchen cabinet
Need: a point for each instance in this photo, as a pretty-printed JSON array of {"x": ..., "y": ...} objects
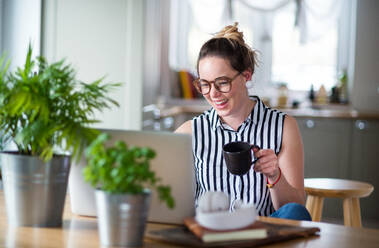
[
  {"x": 327, "y": 148},
  {"x": 365, "y": 164}
]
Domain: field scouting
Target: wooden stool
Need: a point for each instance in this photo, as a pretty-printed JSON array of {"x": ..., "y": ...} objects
[{"x": 350, "y": 191}]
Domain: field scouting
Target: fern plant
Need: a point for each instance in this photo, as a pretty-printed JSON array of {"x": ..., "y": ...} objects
[
  {"x": 121, "y": 169},
  {"x": 43, "y": 106}
]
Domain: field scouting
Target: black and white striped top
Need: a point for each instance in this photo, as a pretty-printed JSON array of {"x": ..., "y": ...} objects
[{"x": 263, "y": 128}]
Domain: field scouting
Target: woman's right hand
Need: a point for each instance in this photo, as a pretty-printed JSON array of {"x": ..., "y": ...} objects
[{"x": 267, "y": 163}]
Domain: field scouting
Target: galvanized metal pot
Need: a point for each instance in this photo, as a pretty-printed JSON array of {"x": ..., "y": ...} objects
[
  {"x": 35, "y": 191},
  {"x": 122, "y": 218}
]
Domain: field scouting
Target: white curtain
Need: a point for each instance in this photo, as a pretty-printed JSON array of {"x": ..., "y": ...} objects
[
  {"x": 264, "y": 5},
  {"x": 312, "y": 17},
  {"x": 210, "y": 16},
  {"x": 316, "y": 17}
]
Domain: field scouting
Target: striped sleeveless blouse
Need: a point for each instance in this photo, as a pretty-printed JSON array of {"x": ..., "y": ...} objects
[{"x": 263, "y": 127}]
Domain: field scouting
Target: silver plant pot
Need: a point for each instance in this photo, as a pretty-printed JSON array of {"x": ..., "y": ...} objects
[
  {"x": 34, "y": 191},
  {"x": 122, "y": 218}
]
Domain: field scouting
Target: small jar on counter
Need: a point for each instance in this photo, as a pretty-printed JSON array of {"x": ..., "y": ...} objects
[{"x": 282, "y": 95}]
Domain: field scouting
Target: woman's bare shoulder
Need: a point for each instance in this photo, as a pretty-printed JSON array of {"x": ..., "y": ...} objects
[
  {"x": 290, "y": 122},
  {"x": 291, "y": 132},
  {"x": 186, "y": 127}
]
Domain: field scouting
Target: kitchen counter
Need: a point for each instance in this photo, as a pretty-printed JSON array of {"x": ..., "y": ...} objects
[{"x": 317, "y": 111}]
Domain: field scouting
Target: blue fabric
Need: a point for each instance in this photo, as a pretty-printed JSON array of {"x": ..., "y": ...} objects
[{"x": 293, "y": 211}]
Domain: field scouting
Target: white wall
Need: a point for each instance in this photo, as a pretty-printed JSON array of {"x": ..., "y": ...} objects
[
  {"x": 152, "y": 49},
  {"x": 365, "y": 90},
  {"x": 21, "y": 23},
  {"x": 101, "y": 38}
]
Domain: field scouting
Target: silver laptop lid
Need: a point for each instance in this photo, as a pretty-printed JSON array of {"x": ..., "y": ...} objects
[{"x": 173, "y": 164}]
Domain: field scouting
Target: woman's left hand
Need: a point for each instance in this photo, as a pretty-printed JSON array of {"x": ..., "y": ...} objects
[{"x": 267, "y": 163}]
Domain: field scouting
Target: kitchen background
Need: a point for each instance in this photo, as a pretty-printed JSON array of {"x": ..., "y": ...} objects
[{"x": 151, "y": 46}]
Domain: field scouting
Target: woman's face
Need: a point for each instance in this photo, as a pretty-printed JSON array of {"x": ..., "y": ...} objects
[{"x": 226, "y": 104}]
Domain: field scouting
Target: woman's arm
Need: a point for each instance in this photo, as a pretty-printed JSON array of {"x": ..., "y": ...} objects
[
  {"x": 186, "y": 127},
  {"x": 290, "y": 187}
]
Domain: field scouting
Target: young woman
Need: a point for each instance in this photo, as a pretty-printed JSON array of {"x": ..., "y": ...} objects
[{"x": 275, "y": 184}]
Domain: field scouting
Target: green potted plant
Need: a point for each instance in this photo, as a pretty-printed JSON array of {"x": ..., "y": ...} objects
[
  {"x": 46, "y": 113},
  {"x": 122, "y": 177}
]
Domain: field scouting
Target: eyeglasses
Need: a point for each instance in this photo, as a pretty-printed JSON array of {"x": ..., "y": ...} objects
[{"x": 222, "y": 84}]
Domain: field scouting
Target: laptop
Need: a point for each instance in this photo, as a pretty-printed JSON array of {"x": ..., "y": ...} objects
[{"x": 173, "y": 164}]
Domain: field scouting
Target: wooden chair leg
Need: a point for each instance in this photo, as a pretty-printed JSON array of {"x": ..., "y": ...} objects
[
  {"x": 309, "y": 205},
  {"x": 347, "y": 211},
  {"x": 356, "y": 213},
  {"x": 319, "y": 205},
  {"x": 314, "y": 206}
]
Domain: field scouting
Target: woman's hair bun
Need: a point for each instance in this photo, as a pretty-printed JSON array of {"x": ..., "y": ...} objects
[
  {"x": 231, "y": 32},
  {"x": 230, "y": 44}
]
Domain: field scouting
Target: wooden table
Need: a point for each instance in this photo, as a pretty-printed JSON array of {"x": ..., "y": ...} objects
[{"x": 82, "y": 232}]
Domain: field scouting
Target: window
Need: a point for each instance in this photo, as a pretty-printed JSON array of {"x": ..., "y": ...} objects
[
  {"x": 299, "y": 57},
  {"x": 300, "y": 65}
]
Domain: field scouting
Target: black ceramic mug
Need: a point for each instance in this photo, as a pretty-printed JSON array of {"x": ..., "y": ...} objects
[{"x": 237, "y": 156}]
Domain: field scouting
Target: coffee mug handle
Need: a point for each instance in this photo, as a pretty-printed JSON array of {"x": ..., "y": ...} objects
[
  {"x": 251, "y": 147},
  {"x": 254, "y": 146}
]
